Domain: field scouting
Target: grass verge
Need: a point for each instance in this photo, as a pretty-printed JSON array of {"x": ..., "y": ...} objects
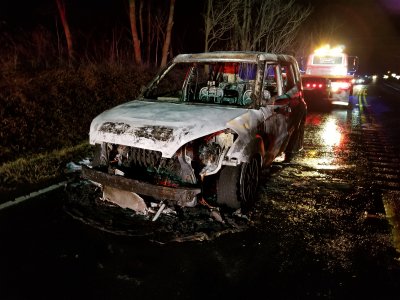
[{"x": 26, "y": 175}]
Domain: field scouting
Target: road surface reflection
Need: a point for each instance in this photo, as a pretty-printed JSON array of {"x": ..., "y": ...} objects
[{"x": 326, "y": 139}]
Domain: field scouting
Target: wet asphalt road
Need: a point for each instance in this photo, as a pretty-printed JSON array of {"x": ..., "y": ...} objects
[{"x": 322, "y": 228}]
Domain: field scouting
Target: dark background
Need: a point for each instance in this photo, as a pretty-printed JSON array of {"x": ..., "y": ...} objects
[{"x": 368, "y": 28}]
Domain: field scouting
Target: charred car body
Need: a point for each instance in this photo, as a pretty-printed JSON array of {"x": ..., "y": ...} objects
[{"x": 201, "y": 131}]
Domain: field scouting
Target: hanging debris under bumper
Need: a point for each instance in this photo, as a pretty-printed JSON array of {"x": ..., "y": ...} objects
[{"x": 182, "y": 195}]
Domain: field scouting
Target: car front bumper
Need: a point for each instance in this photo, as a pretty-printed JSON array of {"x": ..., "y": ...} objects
[{"x": 182, "y": 195}]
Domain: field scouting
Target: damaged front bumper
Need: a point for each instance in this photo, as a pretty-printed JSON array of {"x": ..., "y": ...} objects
[{"x": 184, "y": 196}]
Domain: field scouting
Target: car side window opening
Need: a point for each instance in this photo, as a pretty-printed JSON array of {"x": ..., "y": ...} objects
[
  {"x": 272, "y": 81},
  {"x": 288, "y": 77}
]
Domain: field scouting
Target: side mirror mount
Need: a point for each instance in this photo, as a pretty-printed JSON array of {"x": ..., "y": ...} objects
[{"x": 282, "y": 99}]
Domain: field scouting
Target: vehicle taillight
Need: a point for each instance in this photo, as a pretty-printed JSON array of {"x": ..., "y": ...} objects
[{"x": 315, "y": 85}]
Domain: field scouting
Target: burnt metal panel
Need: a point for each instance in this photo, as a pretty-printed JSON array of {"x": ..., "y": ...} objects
[{"x": 181, "y": 195}]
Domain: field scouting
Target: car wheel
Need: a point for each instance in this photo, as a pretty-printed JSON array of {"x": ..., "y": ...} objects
[
  {"x": 296, "y": 142},
  {"x": 237, "y": 186}
]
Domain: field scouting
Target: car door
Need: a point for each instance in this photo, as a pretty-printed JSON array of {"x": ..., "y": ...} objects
[
  {"x": 292, "y": 91},
  {"x": 276, "y": 108}
]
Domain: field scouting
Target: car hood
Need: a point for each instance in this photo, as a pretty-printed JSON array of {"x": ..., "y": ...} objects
[{"x": 163, "y": 127}]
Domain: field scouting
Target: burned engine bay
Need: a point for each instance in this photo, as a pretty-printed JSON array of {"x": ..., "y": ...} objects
[{"x": 129, "y": 175}]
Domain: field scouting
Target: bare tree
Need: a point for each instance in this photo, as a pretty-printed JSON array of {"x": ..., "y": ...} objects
[
  {"x": 253, "y": 24},
  {"x": 150, "y": 33},
  {"x": 134, "y": 32},
  {"x": 151, "y": 27},
  {"x": 167, "y": 41},
  {"x": 67, "y": 32},
  {"x": 141, "y": 18},
  {"x": 316, "y": 33},
  {"x": 159, "y": 36},
  {"x": 218, "y": 22},
  {"x": 283, "y": 33}
]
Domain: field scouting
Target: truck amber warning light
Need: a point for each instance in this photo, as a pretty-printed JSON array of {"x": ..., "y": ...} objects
[{"x": 327, "y": 50}]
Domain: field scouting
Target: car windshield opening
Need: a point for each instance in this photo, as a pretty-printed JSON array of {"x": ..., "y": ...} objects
[{"x": 220, "y": 83}]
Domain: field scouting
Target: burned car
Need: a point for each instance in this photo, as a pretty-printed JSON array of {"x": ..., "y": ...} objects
[{"x": 200, "y": 132}]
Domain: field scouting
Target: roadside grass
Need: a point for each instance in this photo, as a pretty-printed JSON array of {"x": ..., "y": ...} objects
[
  {"x": 42, "y": 168},
  {"x": 45, "y": 115}
]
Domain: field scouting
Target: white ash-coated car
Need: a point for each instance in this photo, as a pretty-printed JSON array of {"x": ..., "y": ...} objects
[{"x": 200, "y": 132}]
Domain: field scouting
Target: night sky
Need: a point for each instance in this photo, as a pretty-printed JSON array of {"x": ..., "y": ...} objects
[{"x": 369, "y": 29}]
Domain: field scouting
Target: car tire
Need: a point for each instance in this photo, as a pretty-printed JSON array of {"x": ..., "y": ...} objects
[{"x": 237, "y": 186}]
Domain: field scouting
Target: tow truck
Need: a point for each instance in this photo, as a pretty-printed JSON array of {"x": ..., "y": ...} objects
[{"x": 328, "y": 76}]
